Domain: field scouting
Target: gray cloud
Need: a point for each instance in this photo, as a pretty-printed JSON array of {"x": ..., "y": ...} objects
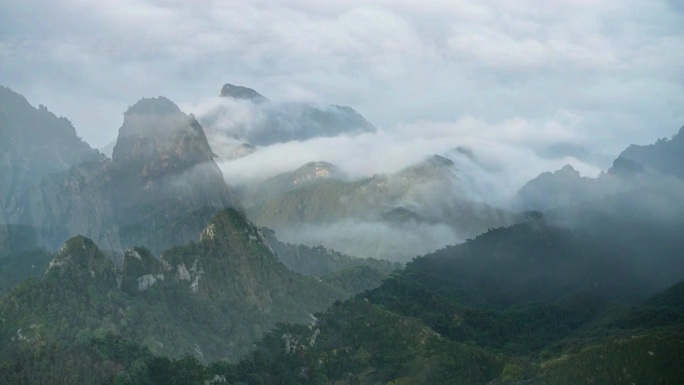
[{"x": 616, "y": 69}]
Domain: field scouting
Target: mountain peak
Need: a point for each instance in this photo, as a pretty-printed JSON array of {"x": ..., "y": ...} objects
[
  {"x": 568, "y": 170},
  {"x": 81, "y": 257},
  {"x": 159, "y": 106},
  {"x": 156, "y": 132},
  {"x": 240, "y": 92}
]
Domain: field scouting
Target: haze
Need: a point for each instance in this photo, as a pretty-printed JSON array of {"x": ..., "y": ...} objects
[{"x": 535, "y": 84}]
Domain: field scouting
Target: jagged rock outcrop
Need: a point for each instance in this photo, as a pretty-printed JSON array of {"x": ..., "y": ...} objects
[
  {"x": 140, "y": 270},
  {"x": 33, "y": 143},
  {"x": 163, "y": 182},
  {"x": 159, "y": 189},
  {"x": 212, "y": 299}
]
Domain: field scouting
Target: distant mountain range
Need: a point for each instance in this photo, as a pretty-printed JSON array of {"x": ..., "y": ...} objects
[
  {"x": 636, "y": 166},
  {"x": 145, "y": 269},
  {"x": 317, "y": 204}
]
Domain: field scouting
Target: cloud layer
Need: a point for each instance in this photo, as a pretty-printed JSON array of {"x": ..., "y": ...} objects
[{"x": 615, "y": 68}]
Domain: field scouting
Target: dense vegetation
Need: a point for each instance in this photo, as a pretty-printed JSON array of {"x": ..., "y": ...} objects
[
  {"x": 499, "y": 322},
  {"x": 212, "y": 299}
]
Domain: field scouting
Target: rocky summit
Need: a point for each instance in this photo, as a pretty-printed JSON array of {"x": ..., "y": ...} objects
[
  {"x": 159, "y": 189},
  {"x": 240, "y": 92}
]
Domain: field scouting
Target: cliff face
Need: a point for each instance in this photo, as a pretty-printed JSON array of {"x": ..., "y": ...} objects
[
  {"x": 33, "y": 143},
  {"x": 159, "y": 189},
  {"x": 73, "y": 202},
  {"x": 163, "y": 183}
]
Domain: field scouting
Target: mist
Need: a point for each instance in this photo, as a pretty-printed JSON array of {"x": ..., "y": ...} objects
[
  {"x": 505, "y": 90},
  {"x": 493, "y": 159},
  {"x": 399, "y": 243}
]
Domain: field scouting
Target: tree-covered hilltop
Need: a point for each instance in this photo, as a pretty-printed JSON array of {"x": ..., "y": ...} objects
[
  {"x": 212, "y": 299},
  {"x": 535, "y": 303}
]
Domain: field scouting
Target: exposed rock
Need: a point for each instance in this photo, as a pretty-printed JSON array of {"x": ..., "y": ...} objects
[
  {"x": 240, "y": 92},
  {"x": 160, "y": 188}
]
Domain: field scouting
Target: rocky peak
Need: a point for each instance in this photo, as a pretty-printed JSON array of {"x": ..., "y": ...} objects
[
  {"x": 240, "y": 92},
  {"x": 80, "y": 257},
  {"x": 157, "y": 137},
  {"x": 164, "y": 184}
]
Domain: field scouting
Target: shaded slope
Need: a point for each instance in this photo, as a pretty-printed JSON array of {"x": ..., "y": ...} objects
[{"x": 210, "y": 299}]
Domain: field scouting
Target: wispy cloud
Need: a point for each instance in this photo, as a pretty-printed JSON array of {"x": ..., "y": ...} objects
[{"x": 616, "y": 67}]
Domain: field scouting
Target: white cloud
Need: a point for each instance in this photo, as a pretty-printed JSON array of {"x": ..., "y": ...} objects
[
  {"x": 617, "y": 67},
  {"x": 505, "y": 154}
]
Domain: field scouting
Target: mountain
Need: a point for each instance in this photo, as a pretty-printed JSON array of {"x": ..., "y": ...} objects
[
  {"x": 534, "y": 303},
  {"x": 159, "y": 189},
  {"x": 246, "y": 117},
  {"x": 398, "y": 216},
  {"x": 308, "y": 174},
  {"x": 591, "y": 291},
  {"x": 561, "y": 188},
  {"x": 163, "y": 183},
  {"x": 665, "y": 157},
  {"x": 240, "y": 92},
  {"x": 212, "y": 299},
  {"x": 635, "y": 167},
  {"x": 34, "y": 143}
]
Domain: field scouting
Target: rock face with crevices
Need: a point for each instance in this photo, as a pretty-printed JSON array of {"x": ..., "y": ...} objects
[
  {"x": 163, "y": 183},
  {"x": 159, "y": 189}
]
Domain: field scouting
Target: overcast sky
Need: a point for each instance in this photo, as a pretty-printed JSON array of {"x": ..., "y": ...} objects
[{"x": 594, "y": 73}]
